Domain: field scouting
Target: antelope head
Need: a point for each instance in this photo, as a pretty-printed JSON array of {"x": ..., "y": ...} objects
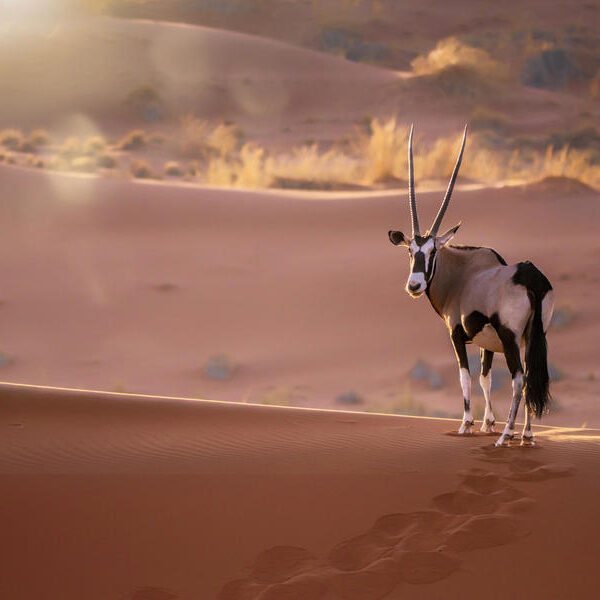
[{"x": 423, "y": 248}]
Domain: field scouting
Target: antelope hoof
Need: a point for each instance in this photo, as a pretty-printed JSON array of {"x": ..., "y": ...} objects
[
  {"x": 488, "y": 426},
  {"x": 527, "y": 440},
  {"x": 466, "y": 428},
  {"x": 504, "y": 439}
]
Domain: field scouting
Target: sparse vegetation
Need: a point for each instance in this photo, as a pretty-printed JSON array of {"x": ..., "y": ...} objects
[
  {"x": 134, "y": 140},
  {"x": 94, "y": 145},
  {"x": 11, "y": 138},
  {"x": 83, "y": 164},
  {"x": 173, "y": 169},
  {"x": 39, "y": 137},
  {"x": 106, "y": 161},
  {"x": 140, "y": 169}
]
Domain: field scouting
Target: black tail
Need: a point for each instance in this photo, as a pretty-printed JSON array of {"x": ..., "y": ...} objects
[{"x": 537, "y": 381}]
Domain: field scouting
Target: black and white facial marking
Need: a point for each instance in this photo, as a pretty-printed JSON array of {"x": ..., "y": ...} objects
[{"x": 422, "y": 257}]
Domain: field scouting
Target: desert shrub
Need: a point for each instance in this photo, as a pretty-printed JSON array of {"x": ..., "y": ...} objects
[
  {"x": 308, "y": 167},
  {"x": 83, "y": 164},
  {"x": 34, "y": 161},
  {"x": 485, "y": 118},
  {"x": 173, "y": 168},
  {"x": 220, "y": 172},
  {"x": 26, "y": 146},
  {"x": 253, "y": 170},
  {"x": 39, "y": 137},
  {"x": 581, "y": 138},
  {"x": 553, "y": 69},
  {"x": 140, "y": 169},
  {"x": 384, "y": 151},
  {"x": 106, "y": 161},
  {"x": 224, "y": 139},
  {"x": 134, "y": 140},
  {"x": 451, "y": 52},
  {"x": 70, "y": 148},
  {"x": 11, "y": 138},
  {"x": 94, "y": 145}
]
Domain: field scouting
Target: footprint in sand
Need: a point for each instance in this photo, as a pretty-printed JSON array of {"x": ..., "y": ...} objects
[
  {"x": 535, "y": 471},
  {"x": 484, "y": 531},
  {"x": 373, "y": 583},
  {"x": 277, "y": 564},
  {"x": 240, "y": 589},
  {"x": 152, "y": 593},
  {"x": 360, "y": 551},
  {"x": 424, "y": 567},
  {"x": 464, "y": 502}
]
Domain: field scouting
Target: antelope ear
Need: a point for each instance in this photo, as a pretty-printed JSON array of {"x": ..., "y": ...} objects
[
  {"x": 397, "y": 238},
  {"x": 443, "y": 239}
]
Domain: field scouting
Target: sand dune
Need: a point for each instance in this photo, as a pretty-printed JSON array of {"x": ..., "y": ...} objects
[
  {"x": 112, "y": 284},
  {"x": 154, "y": 498},
  {"x": 88, "y": 67}
]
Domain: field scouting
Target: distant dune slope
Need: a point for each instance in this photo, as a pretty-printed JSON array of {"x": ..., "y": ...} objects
[
  {"x": 92, "y": 65},
  {"x": 148, "y": 498},
  {"x": 119, "y": 285}
]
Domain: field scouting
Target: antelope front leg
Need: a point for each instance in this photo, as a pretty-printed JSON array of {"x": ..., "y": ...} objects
[
  {"x": 485, "y": 381},
  {"x": 458, "y": 341}
]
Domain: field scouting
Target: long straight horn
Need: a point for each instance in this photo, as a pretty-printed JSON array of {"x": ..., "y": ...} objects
[
  {"x": 411, "y": 186},
  {"x": 446, "y": 201}
]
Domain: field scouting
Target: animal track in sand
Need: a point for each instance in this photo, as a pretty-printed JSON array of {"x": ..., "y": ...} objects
[
  {"x": 280, "y": 563},
  {"x": 466, "y": 503},
  {"x": 425, "y": 567},
  {"x": 483, "y": 531},
  {"x": 413, "y": 548},
  {"x": 535, "y": 471},
  {"x": 358, "y": 552}
]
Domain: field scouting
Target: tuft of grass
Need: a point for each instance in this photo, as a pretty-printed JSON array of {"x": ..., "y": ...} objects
[
  {"x": 83, "y": 164},
  {"x": 11, "y": 138},
  {"x": 173, "y": 169},
  {"x": 134, "y": 140},
  {"x": 94, "y": 145},
  {"x": 70, "y": 148},
  {"x": 140, "y": 169},
  {"x": 106, "y": 161},
  {"x": 451, "y": 52},
  {"x": 39, "y": 137},
  {"x": 484, "y": 118}
]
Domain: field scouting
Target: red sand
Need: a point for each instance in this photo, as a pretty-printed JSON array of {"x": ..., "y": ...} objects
[
  {"x": 112, "y": 284},
  {"x": 147, "y": 498}
]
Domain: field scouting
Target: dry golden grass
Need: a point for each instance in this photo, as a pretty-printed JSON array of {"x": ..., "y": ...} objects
[
  {"x": 451, "y": 52},
  {"x": 173, "y": 169},
  {"x": 140, "y": 169},
  {"x": 134, "y": 140}
]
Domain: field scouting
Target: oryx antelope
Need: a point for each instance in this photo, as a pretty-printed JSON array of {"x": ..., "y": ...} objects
[{"x": 486, "y": 302}]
